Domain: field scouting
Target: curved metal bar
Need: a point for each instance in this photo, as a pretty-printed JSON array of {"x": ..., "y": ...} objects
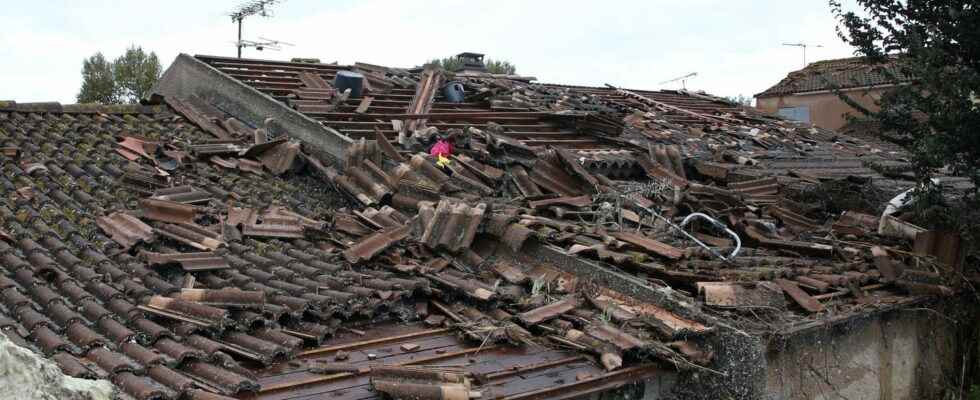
[
  {"x": 719, "y": 225},
  {"x": 689, "y": 236}
]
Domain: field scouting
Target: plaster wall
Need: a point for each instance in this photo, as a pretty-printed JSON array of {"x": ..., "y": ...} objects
[{"x": 826, "y": 109}]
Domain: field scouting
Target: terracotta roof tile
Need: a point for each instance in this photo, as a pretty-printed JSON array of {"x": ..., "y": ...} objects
[{"x": 844, "y": 73}]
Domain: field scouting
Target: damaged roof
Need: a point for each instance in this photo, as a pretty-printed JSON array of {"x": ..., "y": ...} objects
[
  {"x": 604, "y": 126},
  {"x": 182, "y": 252},
  {"x": 842, "y": 73},
  {"x": 172, "y": 296}
]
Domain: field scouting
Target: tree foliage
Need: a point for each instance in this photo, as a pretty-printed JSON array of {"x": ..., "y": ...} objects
[
  {"x": 135, "y": 73},
  {"x": 98, "y": 84},
  {"x": 937, "y": 117},
  {"x": 493, "y": 66},
  {"x": 741, "y": 100},
  {"x": 125, "y": 80},
  {"x": 500, "y": 67}
]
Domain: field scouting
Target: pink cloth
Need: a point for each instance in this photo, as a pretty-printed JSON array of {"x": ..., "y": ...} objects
[{"x": 441, "y": 148}]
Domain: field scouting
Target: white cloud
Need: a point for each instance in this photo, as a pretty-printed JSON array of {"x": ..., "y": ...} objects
[{"x": 734, "y": 46}]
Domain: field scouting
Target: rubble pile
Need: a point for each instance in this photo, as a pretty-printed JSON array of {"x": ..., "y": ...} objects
[{"x": 176, "y": 250}]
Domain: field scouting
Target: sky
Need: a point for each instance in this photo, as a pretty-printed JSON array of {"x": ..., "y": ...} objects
[{"x": 735, "y": 47}]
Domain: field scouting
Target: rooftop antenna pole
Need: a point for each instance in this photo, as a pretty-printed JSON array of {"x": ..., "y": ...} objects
[
  {"x": 239, "y": 42},
  {"x": 249, "y": 8},
  {"x": 683, "y": 79},
  {"x": 803, "y": 46}
]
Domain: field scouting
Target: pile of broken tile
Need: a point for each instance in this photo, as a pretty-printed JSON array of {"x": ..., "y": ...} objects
[
  {"x": 169, "y": 250},
  {"x": 755, "y": 247},
  {"x": 162, "y": 251}
]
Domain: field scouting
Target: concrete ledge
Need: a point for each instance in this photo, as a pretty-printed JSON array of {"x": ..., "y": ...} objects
[
  {"x": 911, "y": 350},
  {"x": 188, "y": 76},
  {"x": 619, "y": 281}
]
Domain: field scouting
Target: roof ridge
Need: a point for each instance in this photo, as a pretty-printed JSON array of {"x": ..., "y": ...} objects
[
  {"x": 840, "y": 73},
  {"x": 83, "y": 108}
]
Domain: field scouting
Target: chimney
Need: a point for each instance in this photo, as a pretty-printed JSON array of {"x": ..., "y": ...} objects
[{"x": 472, "y": 62}]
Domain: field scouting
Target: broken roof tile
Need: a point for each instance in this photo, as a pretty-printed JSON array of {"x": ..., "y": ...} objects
[
  {"x": 191, "y": 262},
  {"x": 183, "y": 194},
  {"x": 186, "y": 311},
  {"x": 223, "y": 297},
  {"x": 374, "y": 244},
  {"x": 650, "y": 245},
  {"x": 125, "y": 229},
  {"x": 452, "y": 226},
  {"x": 550, "y": 311},
  {"x": 192, "y": 235},
  {"x": 167, "y": 211}
]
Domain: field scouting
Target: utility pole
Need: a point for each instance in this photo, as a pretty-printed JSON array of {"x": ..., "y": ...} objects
[
  {"x": 253, "y": 7},
  {"x": 803, "y": 46}
]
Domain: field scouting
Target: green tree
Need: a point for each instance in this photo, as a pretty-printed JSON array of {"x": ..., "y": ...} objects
[
  {"x": 135, "y": 73},
  {"x": 937, "y": 117},
  {"x": 741, "y": 100},
  {"x": 493, "y": 66},
  {"x": 500, "y": 67},
  {"x": 448, "y": 63},
  {"x": 98, "y": 84}
]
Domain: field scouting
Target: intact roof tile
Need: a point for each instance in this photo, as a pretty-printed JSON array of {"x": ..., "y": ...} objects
[{"x": 101, "y": 292}]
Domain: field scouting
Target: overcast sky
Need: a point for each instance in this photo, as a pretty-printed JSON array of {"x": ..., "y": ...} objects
[{"x": 734, "y": 46}]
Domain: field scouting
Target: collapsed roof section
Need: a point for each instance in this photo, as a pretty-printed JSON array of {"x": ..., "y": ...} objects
[
  {"x": 142, "y": 248},
  {"x": 607, "y": 127},
  {"x": 215, "y": 243}
]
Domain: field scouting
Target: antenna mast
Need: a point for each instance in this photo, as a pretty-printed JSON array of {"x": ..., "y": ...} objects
[
  {"x": 263, "y": 44},
  {"x": 247, "y": 9},
  {"x": 683, "y": 79},
  {"x": 803, "y": 46}
]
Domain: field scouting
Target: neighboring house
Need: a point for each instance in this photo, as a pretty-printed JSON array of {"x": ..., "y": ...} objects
[{"x": 808, "y": 95}]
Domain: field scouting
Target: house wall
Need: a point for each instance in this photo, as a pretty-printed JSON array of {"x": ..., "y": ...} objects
[
  {"x": 911, "y": 353},
  {"x": 827, "y": 110}
]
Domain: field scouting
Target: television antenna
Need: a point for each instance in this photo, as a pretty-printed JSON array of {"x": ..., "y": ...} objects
[
  {"x": 803, "y": 46},
  {"x": 682, "y": 79},
  {"x": 245, "y": 10},
  {"x": 262, "y": 44}
]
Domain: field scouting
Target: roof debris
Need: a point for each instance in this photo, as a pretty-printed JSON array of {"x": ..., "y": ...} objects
[
  {"x": 125, "y": 229},
  {"x": 224, "y": 254}
]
